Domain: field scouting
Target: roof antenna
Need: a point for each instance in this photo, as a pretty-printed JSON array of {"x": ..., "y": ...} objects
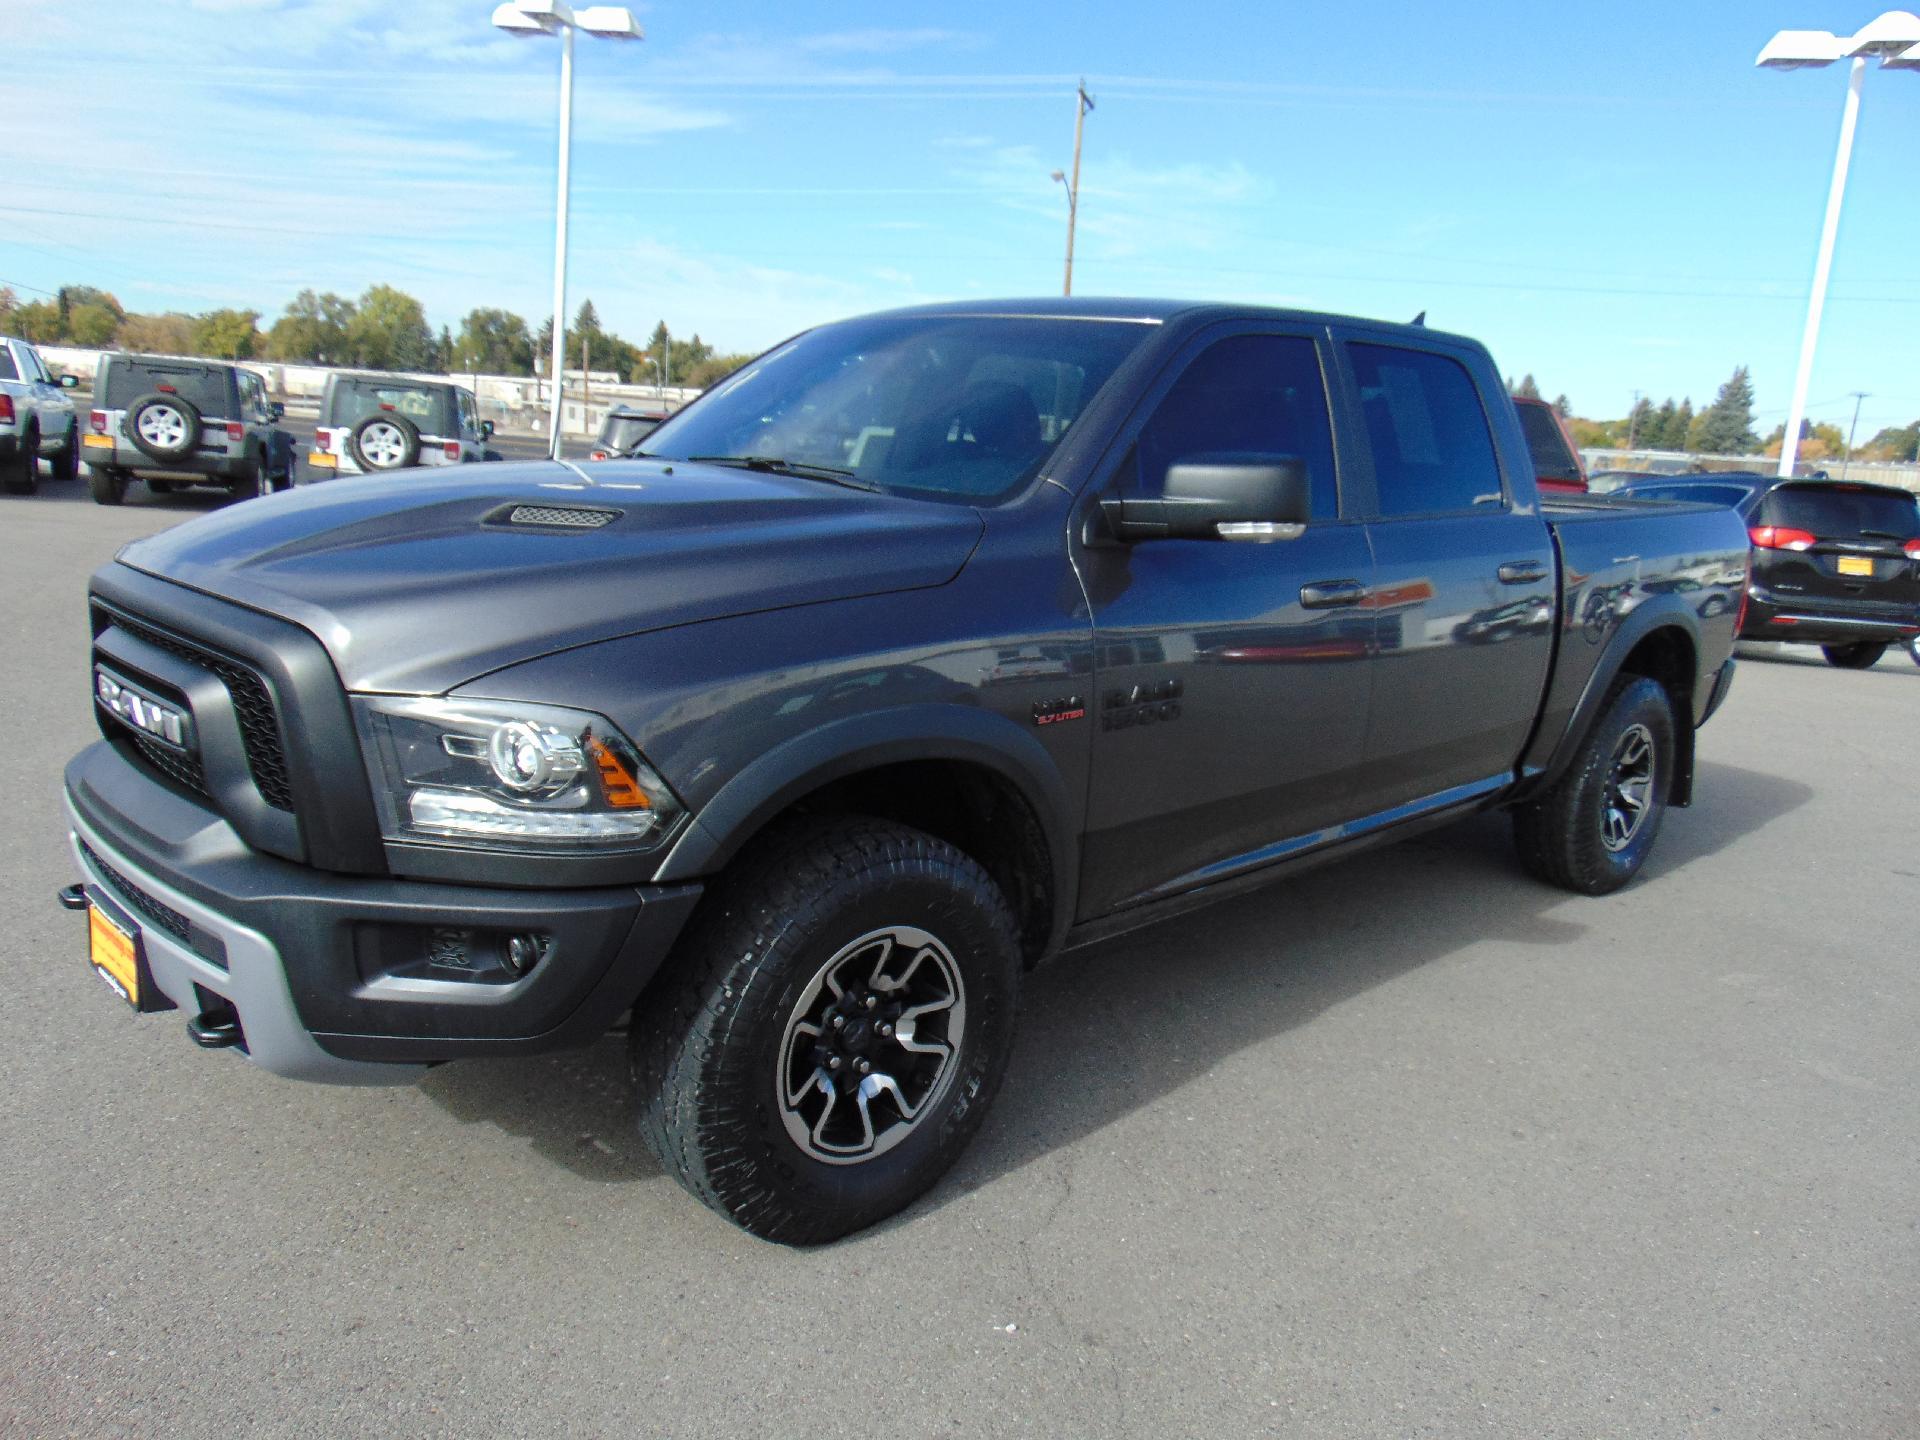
[{"x": 1420, "y": 319}]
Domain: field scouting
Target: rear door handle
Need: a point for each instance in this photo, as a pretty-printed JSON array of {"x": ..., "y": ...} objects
[
  {"x": 1522, "y": 572},
  {"x": 1332, "y": 594}
]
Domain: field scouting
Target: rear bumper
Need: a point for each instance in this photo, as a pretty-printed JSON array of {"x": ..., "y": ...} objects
[
  {"x": 1806, "y": 621},
  {"x": 121, "y": 455},
  {"x": 348, "y": 979}
]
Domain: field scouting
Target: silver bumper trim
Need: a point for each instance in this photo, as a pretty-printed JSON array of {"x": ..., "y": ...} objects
[{"x": 254, "y": 982}]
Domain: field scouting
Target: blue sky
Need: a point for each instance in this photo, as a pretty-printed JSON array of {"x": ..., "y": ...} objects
[{"x": 1611, "y": 196}]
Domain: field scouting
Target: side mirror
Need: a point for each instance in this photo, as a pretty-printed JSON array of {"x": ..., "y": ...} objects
[
  {"x": 1219, "y": 497},
  {"x": 486, "y": 429},
  {"x": 69, "y": 382},
  {"x": 279, "y": 410}
]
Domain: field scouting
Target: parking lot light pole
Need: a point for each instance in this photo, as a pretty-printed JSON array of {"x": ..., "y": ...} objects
[
  {"x": 530, "y": 19},
  {"x": 1895, "y": 38}
]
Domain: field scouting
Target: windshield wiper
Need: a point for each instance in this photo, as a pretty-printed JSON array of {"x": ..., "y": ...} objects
[
  {"x": 1883, "y": 535},
  {"x": 800, "y": 469}
]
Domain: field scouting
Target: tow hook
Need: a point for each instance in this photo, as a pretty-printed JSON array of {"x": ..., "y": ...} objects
[
  {"x": 215, "y": 1029},
  {"x": 73, "y": 897}
]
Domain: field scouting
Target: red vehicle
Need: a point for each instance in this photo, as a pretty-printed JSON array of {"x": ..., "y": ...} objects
[{"x": 1556, "y": 463}]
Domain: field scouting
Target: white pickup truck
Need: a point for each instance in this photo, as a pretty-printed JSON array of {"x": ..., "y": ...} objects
[{"x": 36, "y": 420}]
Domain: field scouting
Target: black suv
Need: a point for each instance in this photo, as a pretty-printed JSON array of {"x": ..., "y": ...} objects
[
  {"x": 175, "y": 422},
  {"x": 1835, "y": 563}
]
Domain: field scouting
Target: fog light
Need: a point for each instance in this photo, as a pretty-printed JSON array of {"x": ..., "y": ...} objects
[{"x": 523, "y": 952}]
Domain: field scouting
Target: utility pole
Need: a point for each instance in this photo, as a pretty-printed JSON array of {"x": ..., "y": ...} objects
[
  {"x": 1858, "y": 396},
  {"x": 1633, "y": 419},
  {"x": 1082, "y": 103}
]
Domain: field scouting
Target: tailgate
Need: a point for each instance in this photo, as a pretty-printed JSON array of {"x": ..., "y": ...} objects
[{"x": 1839, "y": 544}]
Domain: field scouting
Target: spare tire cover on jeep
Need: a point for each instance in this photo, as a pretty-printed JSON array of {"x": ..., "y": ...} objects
[
  {"x": 165, "y": 427},
  {"x": 386, "y": 440}
]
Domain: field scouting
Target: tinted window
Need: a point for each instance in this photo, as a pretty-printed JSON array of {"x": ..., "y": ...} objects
[
  {"x": 8, "y": 370},
  {"x": 1552, "y": 459},
  {"x": 620, "y": 433},
  {"x": 1249, "y": 394},
  {"x": 426, "y": 406},
  {"x": 964, "y": 407},
  {"x": 1432, "y": 450},
  {"x": 1836, "y": 511},
  {"x": 134, "y": 376},
  {"x": 1704, "y": 494}
]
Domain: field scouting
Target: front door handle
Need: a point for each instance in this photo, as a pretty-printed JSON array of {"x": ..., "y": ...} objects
[
  {"x": 1522, "y": 572},
  {"x": 1332, "y": 594}
]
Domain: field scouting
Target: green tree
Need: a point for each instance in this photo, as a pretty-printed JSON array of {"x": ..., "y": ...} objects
[
  {"x": 229, "y": 334},
  {"x": 91, "y": 325},
  {"x": 73, "y": 296},
  {"x": 1726, "y": 426},
  {"x": 1657, "y": 434},
  {"x": 1525, "y": 390},
  {"x": 314, "y": 328},
  {"x": 389, "y": 331},
  {"x": 170, "y": 334},
  {"x": 1682, "y": 427},
  {"x": 40, "y": 322},
  {"x": 494, "y": 342},
  {"x": 9, "y": 302},
  {"x": 1563, "y": 407},
  {"x": 1894, "y": 443},
  {"x": 1639, "y": 424},
  {"x": 711, "y": 371}
]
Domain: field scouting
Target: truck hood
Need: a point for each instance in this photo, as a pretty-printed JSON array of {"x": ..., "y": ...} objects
[{"x": 421, "y": 583}]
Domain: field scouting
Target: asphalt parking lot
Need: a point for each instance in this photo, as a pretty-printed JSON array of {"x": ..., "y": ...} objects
[{"x": 1410, "y": 1146}]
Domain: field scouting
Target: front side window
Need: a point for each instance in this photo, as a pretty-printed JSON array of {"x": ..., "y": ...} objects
[
  {"x": 1432, "y": 450},
  {"x": 951, "y": 407},
  {"x": 1250, "y": 395}
]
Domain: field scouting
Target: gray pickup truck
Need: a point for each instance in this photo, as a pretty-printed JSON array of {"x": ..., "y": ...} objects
[
  {"x": 924, "y": 647},
  {"x": 36, "y": 420}
]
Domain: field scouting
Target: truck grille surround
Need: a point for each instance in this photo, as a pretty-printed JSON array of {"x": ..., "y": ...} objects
[{"x": 252, "y": 708}]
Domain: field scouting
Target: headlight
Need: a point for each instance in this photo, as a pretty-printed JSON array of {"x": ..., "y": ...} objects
[{"x": 502, "y": 772}]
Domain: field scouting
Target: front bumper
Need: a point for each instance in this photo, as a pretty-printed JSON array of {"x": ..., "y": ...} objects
[{"x": 354, "y": 979}]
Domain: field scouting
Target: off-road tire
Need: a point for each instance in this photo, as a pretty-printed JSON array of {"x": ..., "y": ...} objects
[
  {"x": 1861, "y": 655},
  {"x": 409, "y": 440},
  {"x": 189, "y": 429},
  {"x": 108, "y": 485},
  {"x": 1561, "y": 835},
  {"x": 251, "y": 482},
  {"x": 707, "y": 1036},
  {"x": 21, "y": 474}
]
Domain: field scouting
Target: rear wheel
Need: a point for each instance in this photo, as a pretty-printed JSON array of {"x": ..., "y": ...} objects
[
  {"x": 21, "y": 474},
  {"x": 108, "y": 485},
  {"x": 66, "y": 466},
  {"x": 1861, "y": 655},
  {"x": 251, "y": 482},
  {"x": 1592, "y": 831},
  {"x": 832, "y": 1028}
]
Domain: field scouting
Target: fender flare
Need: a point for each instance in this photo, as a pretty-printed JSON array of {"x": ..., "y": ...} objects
[
  {"x": 1665, "y": 613},
  {"x": 802, "y": 764}
]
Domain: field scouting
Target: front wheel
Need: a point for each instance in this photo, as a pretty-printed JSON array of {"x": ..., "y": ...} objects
[
  {"x": 1861, "y": 655},
  {"x": 1592, "y": 831},
  {"x": 831, "y": 1029}
]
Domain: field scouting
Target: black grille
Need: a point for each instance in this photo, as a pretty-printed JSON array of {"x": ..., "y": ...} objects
[
  {"x": 252, "y": 707},
  {"x": 184, "y": 770},
  {"x": 157, "y": 911}
]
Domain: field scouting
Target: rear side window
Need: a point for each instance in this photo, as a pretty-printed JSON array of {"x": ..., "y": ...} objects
[
  {"x": 1703, "y": 494},
  {"x": 1552, "y": 458},
  {"x": 1432, "y": 450},
  {"x": 130, "y": 378},
  {"x": 8, "y": 370},
  {"x": 1250, "y": 394},
  {"x": 1835, "y": 512}
]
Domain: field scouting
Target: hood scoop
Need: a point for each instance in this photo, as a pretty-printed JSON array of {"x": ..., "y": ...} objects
[{"x": 556, "y": 517}]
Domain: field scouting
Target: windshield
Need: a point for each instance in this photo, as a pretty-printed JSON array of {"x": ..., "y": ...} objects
[
  {"x": 947, "y": 407},
  {"x": 1832, "y": 511}
]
